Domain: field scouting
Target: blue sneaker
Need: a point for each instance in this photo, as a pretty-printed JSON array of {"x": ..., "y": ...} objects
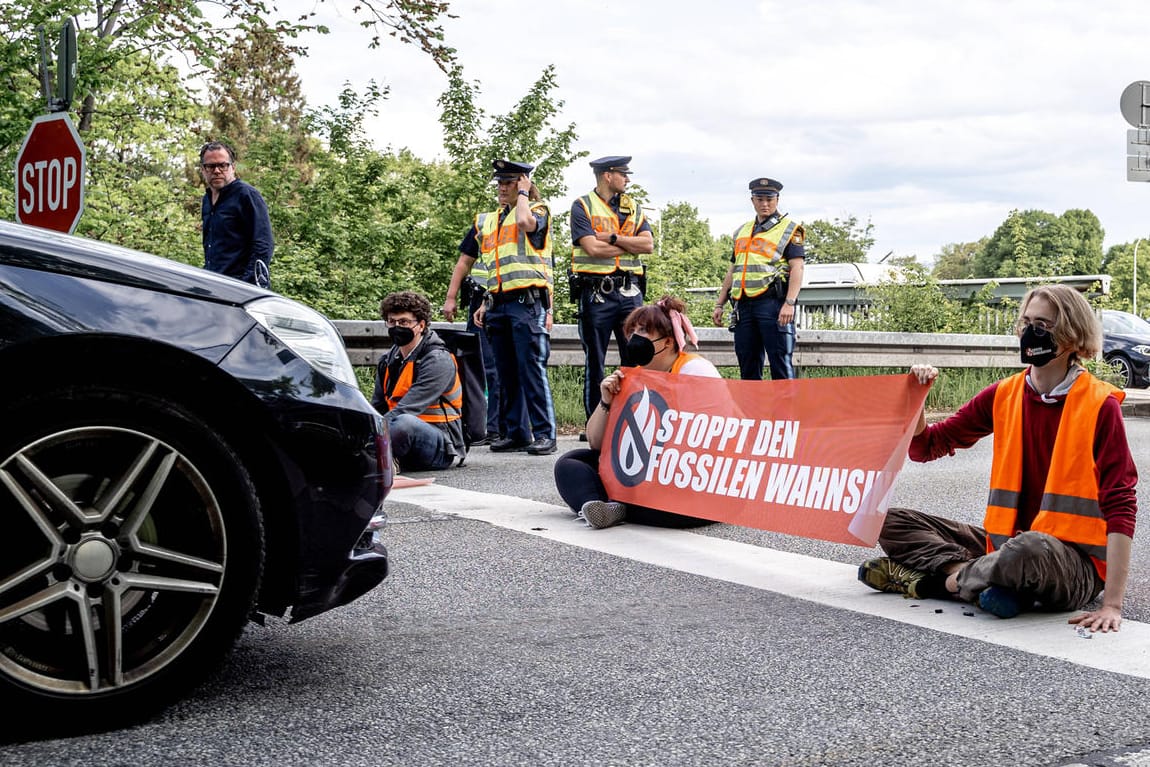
[{"x": 1003, "y": 602}]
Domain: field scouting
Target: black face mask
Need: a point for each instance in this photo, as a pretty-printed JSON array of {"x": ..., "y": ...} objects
[
  {"x": 400, "y": 336},
  {"x": 1036, "y": 347},
  {"x": 640, "y": 350}
]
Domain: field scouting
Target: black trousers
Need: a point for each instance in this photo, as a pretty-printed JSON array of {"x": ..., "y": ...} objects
[{"x": 577, "y": 479}]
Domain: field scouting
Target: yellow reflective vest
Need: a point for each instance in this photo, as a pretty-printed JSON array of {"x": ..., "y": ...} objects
[
  {"x": 758, "y": 257},
  {"x": 507, "y": 255},
  {"x": 603, "y": 219}
]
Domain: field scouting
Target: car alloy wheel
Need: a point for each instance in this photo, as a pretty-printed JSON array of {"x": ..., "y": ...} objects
[
  {"x": 125, "y": 567},
  {"x": 1122, "y": 368}
]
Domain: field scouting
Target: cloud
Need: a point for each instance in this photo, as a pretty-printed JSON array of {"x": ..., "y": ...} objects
[{"x": 931, "y": 120}]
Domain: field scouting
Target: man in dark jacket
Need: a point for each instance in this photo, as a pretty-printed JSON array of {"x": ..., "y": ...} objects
[
  {"x": 237, "y": 231},
  {"x": 417, "y": 388}
]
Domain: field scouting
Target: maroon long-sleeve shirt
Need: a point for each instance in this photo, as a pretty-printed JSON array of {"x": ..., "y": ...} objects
[{"x": 1117, "y": 475}]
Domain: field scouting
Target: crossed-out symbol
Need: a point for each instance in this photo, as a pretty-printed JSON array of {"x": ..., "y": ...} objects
[{"x": 632, "y": 448}]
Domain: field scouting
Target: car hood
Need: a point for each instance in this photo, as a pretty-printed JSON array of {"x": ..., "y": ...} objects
[
  {"x": 34, "y": 248},
  {"x": 1127, "y": 340}
]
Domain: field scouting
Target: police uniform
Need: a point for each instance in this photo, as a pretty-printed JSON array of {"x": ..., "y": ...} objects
[
  {"x": 761, "y": 267},
  {"x": 519, "y": 282},
  {"x": 609, "y": 289},
  {"x": 471, "y": 294}
]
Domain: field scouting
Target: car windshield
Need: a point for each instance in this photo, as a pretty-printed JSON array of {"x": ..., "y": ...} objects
[{"x": 1126, "y": 324}]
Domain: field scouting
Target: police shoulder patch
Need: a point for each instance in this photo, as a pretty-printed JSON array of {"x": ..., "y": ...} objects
[{"x": 799, "y": 235}]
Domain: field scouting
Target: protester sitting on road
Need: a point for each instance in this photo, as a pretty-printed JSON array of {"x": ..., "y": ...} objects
[
  {"x": 657, "y": 335},
  {"x": 1061, "y": 511},
  {"x": 417, "y": 388}
]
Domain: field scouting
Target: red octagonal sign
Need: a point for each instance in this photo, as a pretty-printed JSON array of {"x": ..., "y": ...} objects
[{"x": 50, "y": 174}]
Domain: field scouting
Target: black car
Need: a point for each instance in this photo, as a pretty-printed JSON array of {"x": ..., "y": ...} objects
[
  {"x": 179, "y": 452},
  {"x": 1126, "y": 346}
]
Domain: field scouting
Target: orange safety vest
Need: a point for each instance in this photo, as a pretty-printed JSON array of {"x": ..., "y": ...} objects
[
  {"x": 759, "y": 256},
  {"x": 683, "y": 359},
  {"x": 450, "y": 404},
  {"x": 510, "y": 259},
  {"x": 1069, "y": 509},
  {"x": 603, "y": 219}
]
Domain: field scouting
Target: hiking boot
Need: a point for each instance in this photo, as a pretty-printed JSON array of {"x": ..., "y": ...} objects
[
  {"x": 884, "y": 574},
  {"x": 1003, "y": 602},
  {"x": 600, "y": 514}
]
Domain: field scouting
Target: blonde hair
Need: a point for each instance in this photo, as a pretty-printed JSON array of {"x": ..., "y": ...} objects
[{"x": 1076, "y": 326}]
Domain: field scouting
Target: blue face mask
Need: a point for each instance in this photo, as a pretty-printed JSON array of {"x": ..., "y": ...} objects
[{"x": 1036, "y": 347}]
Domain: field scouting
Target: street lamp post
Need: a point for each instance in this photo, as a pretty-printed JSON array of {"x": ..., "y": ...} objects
[{"x": 1135, "y": 297}]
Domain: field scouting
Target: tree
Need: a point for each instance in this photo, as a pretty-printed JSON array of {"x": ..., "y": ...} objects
[
  {"x": 956, "y": 260},
  {"x": 197, "y": 32},
  {"x": 526, "y": 133},
  {"x": 686, "y": 256},
  {"x": 1119, "y": 264},
  {"x": 838, "y": 241},
  {"x": 1035, "y": 243}
]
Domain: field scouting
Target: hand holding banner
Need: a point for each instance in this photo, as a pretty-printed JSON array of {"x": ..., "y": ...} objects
[{"x": 815, "y": 457}]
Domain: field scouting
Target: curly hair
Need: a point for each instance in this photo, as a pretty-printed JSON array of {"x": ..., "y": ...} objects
[
  {"x": 406, "y": 301},
  {"x": 655, "y": 318}
]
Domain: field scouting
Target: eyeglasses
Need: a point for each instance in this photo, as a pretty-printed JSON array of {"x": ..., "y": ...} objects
[
  {"x": 214, "y": 166},
  {"x": 1041, "y": 327},
  {"x": 403, "y": 322}
]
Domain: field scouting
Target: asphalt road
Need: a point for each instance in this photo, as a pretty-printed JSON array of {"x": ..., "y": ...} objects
[{"x": 510, "y": 635}]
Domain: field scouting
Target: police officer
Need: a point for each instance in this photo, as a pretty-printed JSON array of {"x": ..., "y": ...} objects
[
  {"x": 514, "y": 246},
  {"x": 764, "y": 278},
  {"x": 468, "y": 288},
  {"x": 609, "y": 232}
]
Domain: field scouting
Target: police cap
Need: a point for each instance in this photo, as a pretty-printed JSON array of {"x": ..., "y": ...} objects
[
  {"x": 613, "y": 163},
  {"x": 505, "y": 169},
  {"x": 765, "y": 187}
]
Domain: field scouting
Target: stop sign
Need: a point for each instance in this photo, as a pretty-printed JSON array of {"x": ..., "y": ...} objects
[{"x": 50, "y": 174}]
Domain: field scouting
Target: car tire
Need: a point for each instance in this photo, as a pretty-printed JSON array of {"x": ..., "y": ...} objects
[
  {"x": 132, "y": 556},
  {"x": 1123, "y": 369}
]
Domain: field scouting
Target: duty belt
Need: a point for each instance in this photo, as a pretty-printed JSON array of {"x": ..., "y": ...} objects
[
  {"x": 523, "y": 295},
  {"x": 608, "y": 283}
]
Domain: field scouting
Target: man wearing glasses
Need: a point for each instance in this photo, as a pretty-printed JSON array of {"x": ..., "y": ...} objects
[
  {"x": 610, "y": 234},
  {"x": 764, "y": 278},
  {"x": 417, "y": 388},
  {"x": 237, "y": 232}
]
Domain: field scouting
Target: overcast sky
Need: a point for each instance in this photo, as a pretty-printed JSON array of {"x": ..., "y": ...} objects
[{"x": 932, "y": 120}]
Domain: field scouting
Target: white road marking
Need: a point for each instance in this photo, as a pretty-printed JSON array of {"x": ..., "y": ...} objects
[{"x": 794, "y": 575}]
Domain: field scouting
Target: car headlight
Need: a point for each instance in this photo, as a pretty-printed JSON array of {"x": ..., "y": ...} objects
[
  {"x": 307, "y": 333},
  {"x": 1143, "y": 349}
]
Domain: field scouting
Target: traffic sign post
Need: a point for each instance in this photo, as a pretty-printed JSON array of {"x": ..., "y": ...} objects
[
  {"x": 1135, "y": 107},
  {"x": 50, "y": 174}
]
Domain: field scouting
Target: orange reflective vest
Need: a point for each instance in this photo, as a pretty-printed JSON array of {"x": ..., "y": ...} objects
[
  {"x": 1069, "y": 509},
  {"x": 603, "y": 219},
  {"x": 507, "y": 255},
  {"x": 681, "y": 360},
  {"x": 759, "y": 255},
  {"x": 449, "y": 407}
]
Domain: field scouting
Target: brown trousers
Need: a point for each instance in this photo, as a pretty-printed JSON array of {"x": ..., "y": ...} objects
[{"x": 1055, "y": 574}]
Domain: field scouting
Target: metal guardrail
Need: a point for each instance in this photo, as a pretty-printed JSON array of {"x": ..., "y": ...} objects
[{"x": 366, "y": 342}]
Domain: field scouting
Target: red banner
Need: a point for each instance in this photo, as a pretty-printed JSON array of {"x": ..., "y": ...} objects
[{"x": 815, "y": 457}]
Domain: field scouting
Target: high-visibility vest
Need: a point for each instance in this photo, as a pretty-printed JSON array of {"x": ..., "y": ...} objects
[
  {"x": 603, "y": 219},
  {"x": 682, "y": 359},
  {"x": 449, "y": 406},
  {"x": 511, "y": 260},
  {"x": 1069, "y": 509},
  {"x": 760, "y": 258}
]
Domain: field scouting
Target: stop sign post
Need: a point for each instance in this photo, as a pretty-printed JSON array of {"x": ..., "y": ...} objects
[{"x": 50, "y": 174}]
